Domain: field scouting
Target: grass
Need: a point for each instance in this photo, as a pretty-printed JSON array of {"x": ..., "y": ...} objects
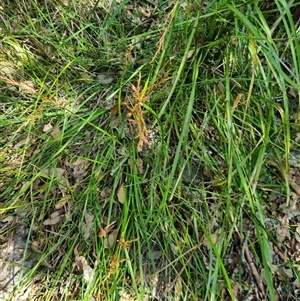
[{"x": 146, "y": 147}]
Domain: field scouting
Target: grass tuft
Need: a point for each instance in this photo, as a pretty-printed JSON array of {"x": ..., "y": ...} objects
[{"x": 149, "y": 150}]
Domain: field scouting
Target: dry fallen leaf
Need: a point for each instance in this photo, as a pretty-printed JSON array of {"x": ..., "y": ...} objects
[
  {"x": 214, "y": 239},
  {"x": 55, "y": 218},
  {"x": 78, "y": 261},
  {"x": 121, "y": 194},
  {"x": 139, "y": 164},
  {"x": 62, "y": 202},
  {"x": 104, "y": 232},
  {"x": 105, "y": 79},
  {"x": 80, "y": 168},
  {"x": 47, "y": 127},
  {"x": 87, "y": 225},
  {"x": 297, "y": 236},
  {"x": 283, "y": 231},
  {"x": 111, "y": 239},
  {"x": 83, "y": 267},
  {"x": 114, "y": 110},
  {"x": 56, "y": 133},
  {"x": 88, "y": 272},
  {"x": 105, "y": 193},
  {"x": 190, "y": 53},
  {"x": 8, "y": 219},
  {"x": 56, "y": 173},
  {"x": 293, "y": 92}
]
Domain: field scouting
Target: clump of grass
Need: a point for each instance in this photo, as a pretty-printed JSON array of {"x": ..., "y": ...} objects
[{"x": 146, "y": 131}]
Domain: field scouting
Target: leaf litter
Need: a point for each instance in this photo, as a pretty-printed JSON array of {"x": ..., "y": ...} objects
[
  {"x": 285, "y": 248},
  {"x": 83, "y": 267}
]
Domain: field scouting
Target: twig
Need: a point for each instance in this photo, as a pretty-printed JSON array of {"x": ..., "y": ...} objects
[{"x": 247, "y": 260}]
